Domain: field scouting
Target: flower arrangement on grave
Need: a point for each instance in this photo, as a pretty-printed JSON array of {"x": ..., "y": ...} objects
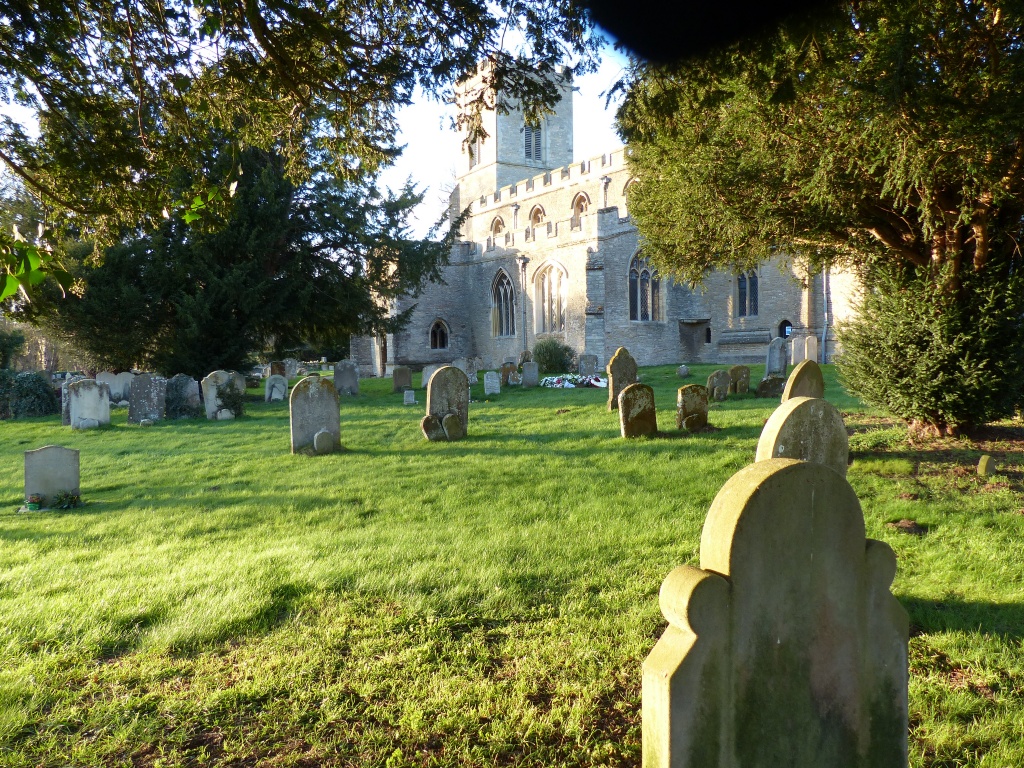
[
  {"x": 572, "y": 381},
  {"x": 66, "y": 500},
  {"x": 33, "y": 502}
]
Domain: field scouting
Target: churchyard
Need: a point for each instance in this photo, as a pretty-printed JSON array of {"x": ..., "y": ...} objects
[{"x": 219, "y": 600}]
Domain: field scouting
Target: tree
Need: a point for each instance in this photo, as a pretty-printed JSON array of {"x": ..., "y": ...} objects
[
  {"x": 289, "y": 265},
  {"x": 887, "y": 136}
]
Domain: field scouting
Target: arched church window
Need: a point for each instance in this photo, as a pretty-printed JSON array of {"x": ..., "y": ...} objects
[
  {"x": 532, "y": 141},
  {"x": 497, "y": 226},
  {"x": 503, "y": 306},
  {"x": 549, "y": 299},
  {"x": 439, "y": 335},
  {"x": 746, "y": 294},
  {"x": 580, "y": 204},
  {"x": 536, "y": 216},
  {"x": 785, "y": 329},
  {"x": 644, "y": 291}
]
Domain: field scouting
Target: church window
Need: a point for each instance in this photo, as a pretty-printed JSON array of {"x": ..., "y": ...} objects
[
  {"x": 503, "y": 306},
  {"x": 532, "y": 142},
  {"x": 746, "y": 294},
  {"x": 644, "y": 291},
  {"x": 785, "y": 329},
  {"x": 475, "y": 149},
  {"x": 580, "y": 204},
  {"x": 439, "y": 335},
  {"x": 549, "y": 299},
  {"x": 497, "y": 226}
]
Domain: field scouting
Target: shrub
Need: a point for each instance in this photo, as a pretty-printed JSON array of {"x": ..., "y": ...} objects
[
  {"x": 11, "y": 343},
  {"x": 26, "y": 394},
  {"x": 552, "y": 356},
  {"x": 232, "y": 398}
]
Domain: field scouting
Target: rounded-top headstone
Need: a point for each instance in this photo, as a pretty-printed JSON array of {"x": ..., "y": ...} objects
[
  {"x": 718, "y": 384},
  {"x": 448, "y": 392},
  {"x": 313, "y": 406},
  {"x": 621, "y": 373},
  {"x": 637, "y": 414},
  {"x": 683, "y": 371},
  {"x": 806, "y": 429},
  {"x": 692, "y": 407},
  {"x": 805, "y": 381}
]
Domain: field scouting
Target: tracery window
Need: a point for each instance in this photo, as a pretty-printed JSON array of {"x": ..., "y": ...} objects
[
  {"x": 439, "y": 335},
  {"x": 746, "y": 294},
  {"x": 503, "y": 306},
  {"x": 549, "y": 286},
  {"x": 644, "y": 291}
]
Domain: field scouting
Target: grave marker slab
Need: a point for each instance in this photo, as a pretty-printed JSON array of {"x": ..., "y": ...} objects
[
  {"x": 65, "y": 399},
  {"x": 692, "y": 408},
  {"x": 428, "y": 371},
  {"x": 637, "y": 414},
  {"x": 492, "y": 383},
  {"x": 507, "y": 369},
  {"x": 718, "y": 384},
  {"x": 806, "y": 380},
  {"x": 811, "y": 348},
  {"x": 409, "y": 397},
  {"x": 313, "y": 407},
  {"x": 183, "y": 401},
  {"x": 683, "y": 371},
  {"x": 807, "y": 429},
  {"x": 278, "y": 368},
  {"x": 777, "y": 362},
  {"x": 588, "y": 365},
  {"x": 621, "y": 373},
  {"x": 448, "y": 393},
  {"x": 147, "y": 399},
  {"x": 275, "y": 388},
  {"x": 346, "y": 377},
  {"x": 462, "y": 364},
  {"x": 90, "y": 404},
  {"x": 740, "y": 379},
  {"x": 401, "y": 378},
  {"x": 796, "y": 347},
  {"x": 51, "y": 470},
  {"x": 531, "y": 374},
  {"x": 291, "y": 367},
  {"x": 212, "y": 385},
  {"x": 771, "y": 386}
]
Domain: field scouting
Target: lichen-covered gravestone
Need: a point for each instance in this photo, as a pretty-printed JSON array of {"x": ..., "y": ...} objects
[
  {"x": 588, "y": 365},
  {"x": 147, "y": 399},
  {"x": 986, "y": 466},
  {"x": 637, "y": 414},
  {"x": 808, "y": 429},
  {"x": 314, "y": 410},
  {"x": 805, "y": 381},
  {"x": 492, "y": 383},
  {"x": 718, "y": 384},
  {"x": 346, "y": 377},
  {"x": 401, "y": 378},
  {"x": 65, "y": 399},
  {"x": 51, "y": 470},
  {"x": 786, "y": 648},
  {"x": 212, "y": 386},
  {"x": 771, "y": 386},
  {"x": 90, "y": 404},
  {"x": 621, "y": 373},
  {"x": 531, "y": 375},
  {"x": 740, "y": 379},
  {"x": 692, "y": 407},
  {"x": 447, "y": 405},
  {"x": 183, "y": 400},
  {"x": 778, "y": 358},
  {"x": 275, "y": 388},
  {"x": 507, "y": 369}
]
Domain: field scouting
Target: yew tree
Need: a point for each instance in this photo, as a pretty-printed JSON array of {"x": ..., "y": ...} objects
[{"x": 887, "y": 137}]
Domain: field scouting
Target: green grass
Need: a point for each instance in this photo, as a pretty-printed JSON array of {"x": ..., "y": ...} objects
[{"x": 219, "y": 601}]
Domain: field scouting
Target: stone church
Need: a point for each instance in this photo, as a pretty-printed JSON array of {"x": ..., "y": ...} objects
[{"x": 549, "y": 250}]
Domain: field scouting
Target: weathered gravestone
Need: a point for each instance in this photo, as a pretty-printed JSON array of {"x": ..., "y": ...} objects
[
  {"x": 147, "y": 399},
  {"x": 238, "y": 380},
  {"x": 473, "y": 366},
  {"x": 410, "y": 397},
  {"x": 65, "y": 399},
  {"x": 183, "y": 400},
  {"x": 739, "y": 376},
  {"x": 718, "y": 384},
  {"x": 531, "y": 374},
  {"x": 507, "y": 369},
  {"x": 275, "y": 388},
  {"x": 51, "y": 470},
  {"x": 637, "y": 414},
  {"x": 808, "y": 429},
  {"x": 778, "y": 358},
  {"x": 986, "y": 465},
  {"x": 213, "y": 385},
  {"x": 796, "y": 346},
  {"x": 692, "y": 408},
  {"x": 588, "y": 365},
  {"x": 428, "y": 371},
  {"x": 401, "y": 378},
  {"x": 683, "y": 371},
  {"x": 805, "y": 381},
  {"x": 291, "y": 367},
  {"x": 515, "y": 379},
  {"x": 90, "y": 404},
  {"x": 314, "y": 408},
  {"x": 771, "y": 386},
  {"x": 811, "y": 348},
  {"x": 785, "y": 649},
  {"x": 447, "y": 405},
  {"x": 526, "y": 356},
  {"x": 346, "y": 377},
  {"x": 278, "y": 368},
  {"x": 492, "y": 383},
  {"x": 621, "y": 373}
]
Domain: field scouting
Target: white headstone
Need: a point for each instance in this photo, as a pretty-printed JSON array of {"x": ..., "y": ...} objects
[
  {"x": 90, "y": 404},
  {"x": 51, "y": 470},
  {"x": 275, "y": 388},
  {"x": 492, "y": 383}
]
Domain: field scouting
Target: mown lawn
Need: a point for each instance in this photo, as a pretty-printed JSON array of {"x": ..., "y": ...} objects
[{"x": 219, "y": 601}]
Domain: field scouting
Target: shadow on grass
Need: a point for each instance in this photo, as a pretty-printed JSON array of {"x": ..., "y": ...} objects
[{"x": 955, "y": 615}]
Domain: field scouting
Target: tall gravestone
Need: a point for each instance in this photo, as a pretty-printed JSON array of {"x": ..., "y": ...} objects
[
  {"x": 52, "y": 470},
  {"x": 807, "y": 429},
  {"x": 65, "y": 399},
  {"x": 777, "y": 361},
  {"x": 315, "y": 415},
  {"x": 507, "y": 369},
  {"x": 447, "y": 405},
  {"x": 90, "y": 404},
  {"x": 212, "y": 385},
  {"x": 588, "y": 365},
  {"x": 621, "y": 373},
  {"x": 275, "y": 389},
  {"x": 147, "y": 399},
  {"x": 796, "y": 346},
  {"x": 786, "y": 647},
  {"x": 401, "y": 378},
  {"x": 346, "y": 377},
  {"x": 428, "y": 371},
  {"x": 125, "y": 381},
  {"x": 531, "y": 374},
  {"x": 637, "y": 414},
  {"x": 806, "y": 380},
  {"x": 492, "y": 383},
  {"x": 692, "y": 408},
  {"x": 183, "y": 401},
  {"x": 811, "y": 348},
  {"x": 740, "y": 379},
  {"x": 718, "y": 384}
]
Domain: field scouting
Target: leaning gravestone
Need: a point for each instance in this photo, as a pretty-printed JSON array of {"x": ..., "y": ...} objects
[
  {"x": 492, "y": 383},
  {"x": 621, "y": 373},
  {"x": 346, "y": 377},
  {"x": 447, "y": 405},
  {"x": 147, "y": 399},
  {"x": 588, "y": 365},
  {"x": 808, "y": 429},
  {"x": 315, "y": 416},
  {"x": 212, "y": 385},
  {"x": 778, "y": 358},
  {"x": 90, "y": 404},
  {"x": 692, "y": 408},
  {"x": 740, "y": 379},
  {"x": 811, "y": 348},
  {"x": 428, "y": 371},
  {"x": 637, "y": 414},
  {"x": 183, "y": 400},
  {"x": 531, "y": 374},
  {"x": 65, "y": 399},
  {"x": 401, "y": 378},
  {"x": 51, "y": 470},
  {"x": 275, "y": 388},
  {"x": 718, "y": 384},
  {"x": 507, "y": 369},
  {"x": 805, "y": 381},
  {"x": 786, "y": 647}
]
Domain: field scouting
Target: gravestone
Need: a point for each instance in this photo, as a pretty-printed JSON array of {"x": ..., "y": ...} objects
[
  {"x": 718, "y": 384},
  {"x": 275, "y": 388},
  {"x": 637, "y": 414},
  {"x": 811, "y": 348},
  {"x": 291, "y": 367},
  {"x": 183, "y": 400},
  {"x": 447, "y": 394},
  {"x": 683, "y": 371},
  {"x": 409, "y": 398},
  {"x": 52, "y": 470},
  {"x": 212, "y": 384},
  {"x": 125, "y": 380},
  {"x": 771, "y": 386},
  {"x": 473, "y": 366},
  {"x": 278, "y": 368},
  {"x": 346, "y": 377},
  {"x": 778, "y": 358},
  {"x": 692, "y": 408},
  {"x": 531, "y": 374},
  {"x": 588, "y": 365},
  {"x": 401, "y": 378},
  {"x": 805, "y": 381},
  {"x": 492, "y": 383},
  {"x": 65, "y": 399},
  {"x": 807, "y": 429},
  {"x": 238, "y": 380},
  {"x": 90, "y": 404},
  {"x": 786, "y": 647},
  {"x": 313, "y": 407},
  {"x": 796, "y": 346},
  {"x": 740, "y": 379},
  {"x": 986, "y": 466},
  {"x": 110, "y": 379},
  {"x": 515, "y": 379},
  {"x": 621, "y": 373},
  {"x": 462, "y": 364},
  {"x": 428, "y": 371},
  {"x": 507, "y": 369},
  {"x": 147, "y": 399}
]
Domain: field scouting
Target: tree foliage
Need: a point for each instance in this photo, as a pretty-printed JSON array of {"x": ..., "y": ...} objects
[{"x": 884, "y": 135}]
